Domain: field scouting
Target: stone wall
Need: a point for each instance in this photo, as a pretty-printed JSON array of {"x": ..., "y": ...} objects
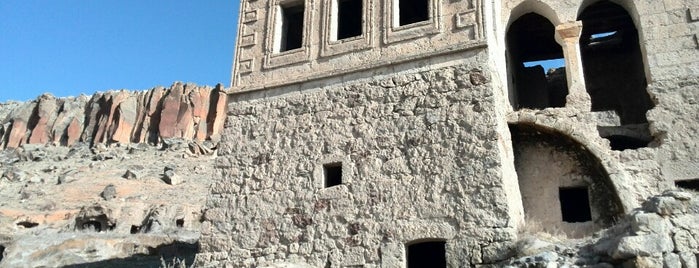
[
  {"x": 667, "y": 31},
  {"x": 182, "y": 111},
  {"x": 425, "y": 151},
  {"x": 259, "y": 64},
  {"x": 420, "y": 161}
]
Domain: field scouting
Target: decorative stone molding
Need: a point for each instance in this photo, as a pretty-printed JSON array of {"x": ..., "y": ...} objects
[
  {"x": 250, "y": 16},
  {"x": 275, "y": 59},
  {"x": 245, "y": 66},
  {"x": 396, "y": 33},
  {"x": 248, "y": 40},
  {"x": 331, "y": 47}
]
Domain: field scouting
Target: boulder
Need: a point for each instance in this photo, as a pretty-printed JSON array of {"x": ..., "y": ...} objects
[{"x": 109, "y": 192}]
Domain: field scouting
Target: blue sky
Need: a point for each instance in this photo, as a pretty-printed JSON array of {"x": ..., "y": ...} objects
[{"x": 69, "y": 47}]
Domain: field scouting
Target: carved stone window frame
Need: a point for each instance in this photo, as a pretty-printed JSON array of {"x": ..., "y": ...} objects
[
  {"x": 330, "y": 45},
  {"x": 396, "y": 33},
  {"x": 273, "y": 58}
]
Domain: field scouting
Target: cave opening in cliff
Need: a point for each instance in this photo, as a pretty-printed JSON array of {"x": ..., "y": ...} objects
[
  {"x": 332, "y": 174},
  {"x": 575, "y": 204},
  {"x": 179, "y": 223},
  {"x": 413, "y": 11},
  {"x": 614, "y": 69},
  {"x": 531, "y": 47},
  {"x": 96, "y": 223},
  {"x": 135, "y": 229},
  {"x": 27, "y": 224},
  {"x": 290, "y": 26},
  {"x": 692, "y": 184},
  {"x": 426, "y": 254},
  {"x": 92, "y": 226},
  {"x": 349, "y": 19}
]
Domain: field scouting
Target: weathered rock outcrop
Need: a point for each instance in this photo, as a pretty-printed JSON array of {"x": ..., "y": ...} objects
[
  {"x": 182, "y": 111},
  {"x": 661, "y": 233}
]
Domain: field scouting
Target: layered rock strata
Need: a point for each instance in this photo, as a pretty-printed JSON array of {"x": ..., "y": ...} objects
[{"x": 183, "y": 111}]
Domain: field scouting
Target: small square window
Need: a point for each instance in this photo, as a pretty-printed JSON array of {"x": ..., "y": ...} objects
[
  {"x": 332, "y": 174},
  {"x": 575, "y": 204},
  {"x": 290, "y": 26},
  {"x": 349, "y": 19},
  {"x": 413, "y": 11}
]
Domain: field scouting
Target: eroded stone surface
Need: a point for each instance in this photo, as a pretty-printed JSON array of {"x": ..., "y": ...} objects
[{"x": 116, "y": 117}]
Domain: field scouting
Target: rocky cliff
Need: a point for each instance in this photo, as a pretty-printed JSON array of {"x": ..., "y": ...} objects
[{"x": 181, "y": 111}]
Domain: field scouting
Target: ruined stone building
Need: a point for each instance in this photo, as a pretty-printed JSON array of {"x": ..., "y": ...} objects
[{"x": 386, "y": 133}]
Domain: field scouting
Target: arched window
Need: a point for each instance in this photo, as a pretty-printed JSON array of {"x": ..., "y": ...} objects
[
  {"x": 535, "y": 63},
  {"x": 613, "y": 62}
]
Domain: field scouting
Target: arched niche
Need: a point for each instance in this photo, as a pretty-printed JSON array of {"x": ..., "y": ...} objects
[
  {"x": 564, "y": 187},
  {"x": 537, "y": 77}
]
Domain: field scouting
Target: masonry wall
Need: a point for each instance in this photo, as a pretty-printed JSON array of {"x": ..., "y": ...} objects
[
  {"x": 420, "y": 159},
  {"x": 668, "y": 39},
  {"x": 426, "y": 154}
]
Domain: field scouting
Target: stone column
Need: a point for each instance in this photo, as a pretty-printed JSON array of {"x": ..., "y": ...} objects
[{"x": 568, "y": 36}]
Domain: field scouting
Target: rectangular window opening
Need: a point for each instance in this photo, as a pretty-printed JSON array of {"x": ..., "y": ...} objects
[
  {"x": 332, "y": 174},
  {"x": 291, "y": 26},
  {"x": 349, "y": 19},
  {"x": 427, "y": 254},
  {"x": 413, "y": 11},
  {"x": 575, "y": 204},
  {"x": 692, "y": 184}
]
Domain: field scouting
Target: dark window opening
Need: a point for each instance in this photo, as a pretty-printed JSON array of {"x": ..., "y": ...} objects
[
  {"x": 620, "y": 142},
  {"x": 613, "y": 63},
  {"x": 427, "y": 254},
  {"x": 135, "y": 229},
  {"x": 536, "y": 63},
  {"x": 179, "y": 223},
  {"x": 92, "y": 226},
  {"x": 349, "y": 18},
  {"x": 332, "y": 174},
  {"x": 292, "y": 27},
  {"x": 692, "y": 184},
  {"x": 413, "y": 11},
  {"x": 27, "y": 224},
  {"x": 575, "y": 204}
]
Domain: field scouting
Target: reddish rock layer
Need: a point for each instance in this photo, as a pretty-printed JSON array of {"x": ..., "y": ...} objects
[{"x": 182, "y": 111}]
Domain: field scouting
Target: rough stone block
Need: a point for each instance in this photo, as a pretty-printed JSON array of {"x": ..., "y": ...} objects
[
  {"x": 685, "y": 242},
  {"x": 645, "y": 245},
  {"x": 671, "y": 260},
  {"x": 644, "y": 262},
  {"x": 688, "y": 259},
  {"x": 650, "y": 223},
  {"x": 665, "y": 205}
]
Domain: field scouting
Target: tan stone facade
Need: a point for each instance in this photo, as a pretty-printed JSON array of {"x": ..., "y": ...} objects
[{"x": 354, "y": 152}]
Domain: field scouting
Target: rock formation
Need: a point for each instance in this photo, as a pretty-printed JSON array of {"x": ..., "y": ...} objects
[{"x": 182, "y": 111}]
